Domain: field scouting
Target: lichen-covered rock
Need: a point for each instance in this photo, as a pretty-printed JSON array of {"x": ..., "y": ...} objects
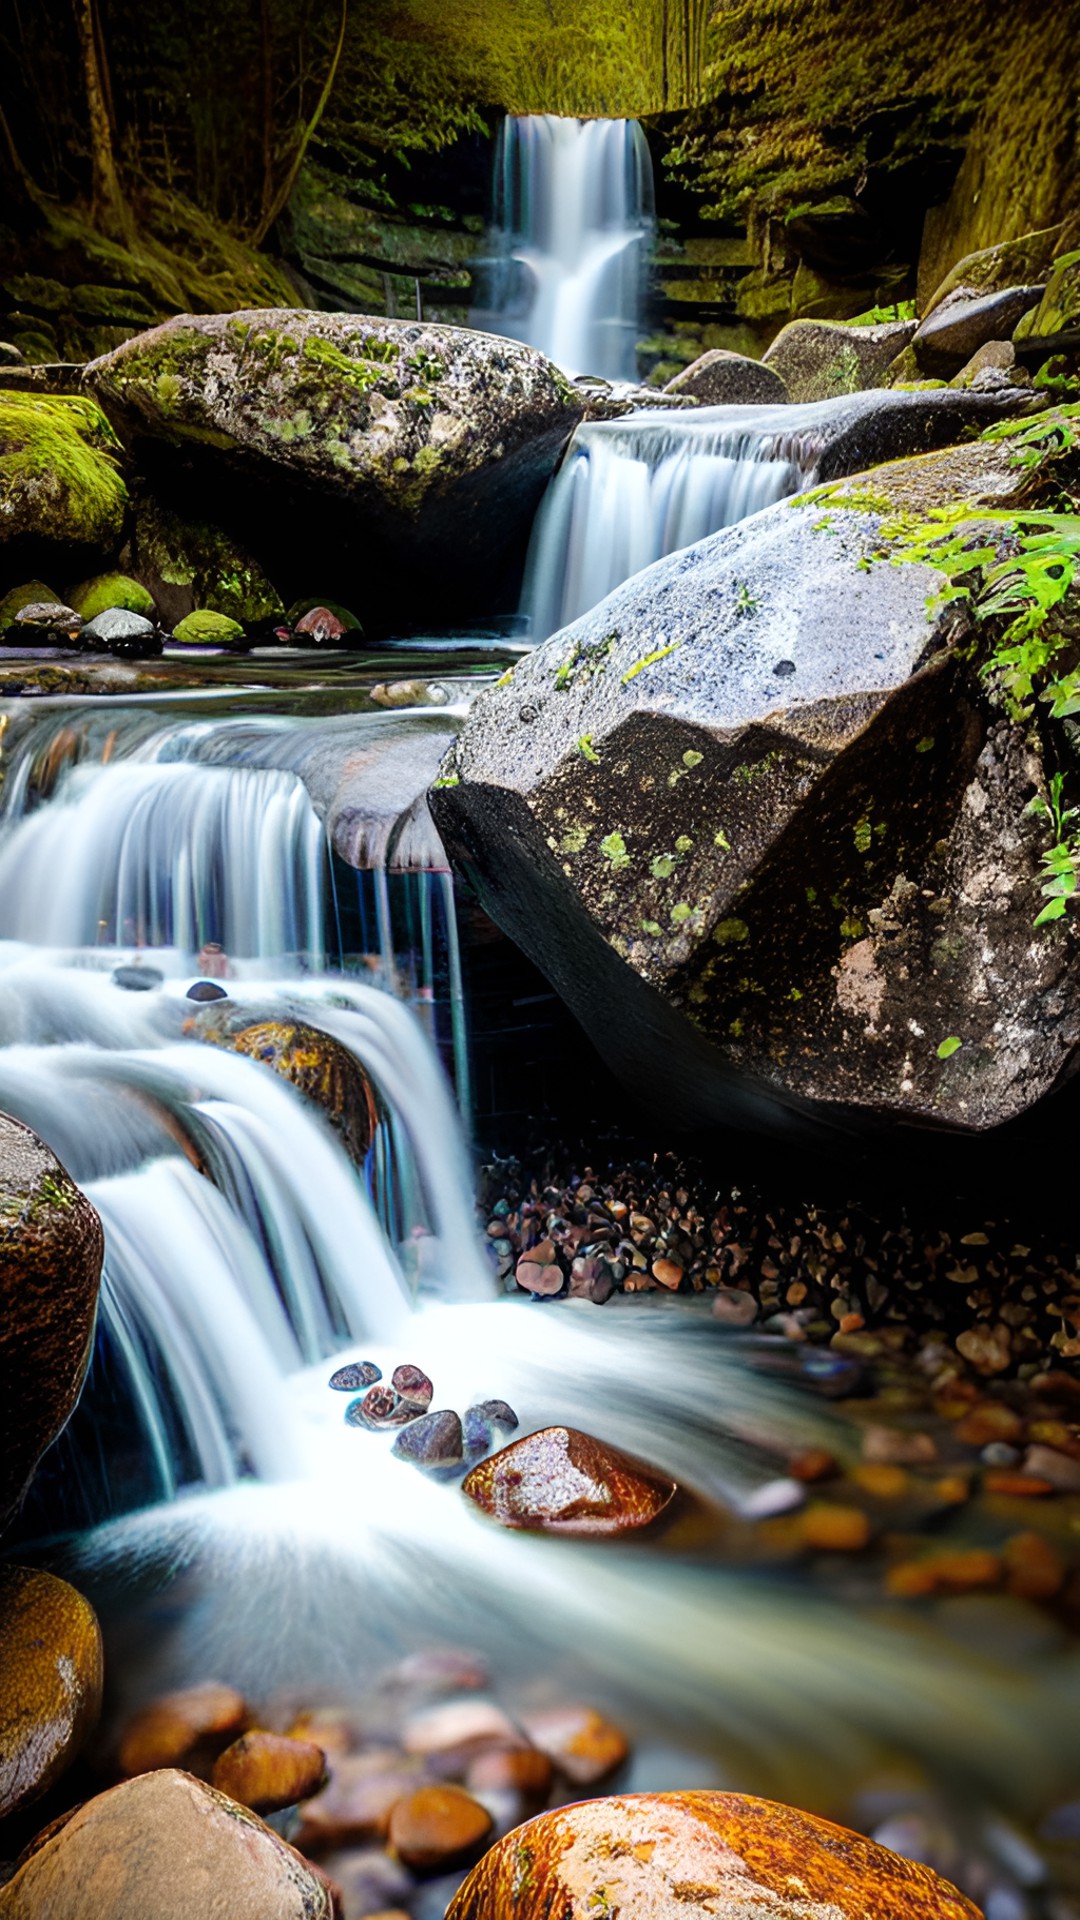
[
  {"x": 50, "y": 1681},
  {"x": 719, "y": 378},
  {"x": 108, "y": 590},
  {"x": 61, "y": 489},
  {"x": 204, "y": 628},
  {"x": 758, "y": 821},
  {"x": 818, "y": 359},
  {"x": 703, "y": 1856},
  {"x": 51, "y": 1249},
  {"x": 563, "y": 1481},
  {"x": 165, "y": 1845},
  {"x": 129, "y": 636},
  {"x": 430, "y": 443}
]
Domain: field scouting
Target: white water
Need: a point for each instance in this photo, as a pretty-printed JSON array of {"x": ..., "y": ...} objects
[
  {"x": 572, "y": 224},
  {"x": 630, "y": 491}
]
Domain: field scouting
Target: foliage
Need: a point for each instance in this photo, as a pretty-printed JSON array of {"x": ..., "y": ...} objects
[
  {"x": 884, "y": 316},
  {"x": 1061, "y": 862}
]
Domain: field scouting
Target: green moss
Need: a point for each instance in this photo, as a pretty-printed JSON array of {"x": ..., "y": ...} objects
[
  {"x": 60, "y": 476},
  {"x": 203, "y": 628},
  {"x": 32, "y": 594},
  {"x": 110, "y": 590}
]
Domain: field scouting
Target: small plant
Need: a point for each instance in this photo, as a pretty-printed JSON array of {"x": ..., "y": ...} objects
[{"x": 1061, "y": 862}]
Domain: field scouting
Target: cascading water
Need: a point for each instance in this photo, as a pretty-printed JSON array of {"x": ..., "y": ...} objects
[{"x": 572, "y": 224}]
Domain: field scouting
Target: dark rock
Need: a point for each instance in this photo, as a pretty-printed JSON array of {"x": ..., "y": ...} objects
[
  {"x": 32, "y": 592},
  {"x": 413, "y": 1385},
  {"x": 10, "y": 356},
  {"x": 206, "y": 990},
  {"x": 130, "y": 636},
  {"x": 563, "y": 1481},
  {"x": 137, "y": 978},
  {"x": 499, "y": 1414},
  {"x": 963, "y": 323},
  {"x": 711, "y": 1854},
  {"x": 719, "y": 378},
  {"x": 165, "y": 1844},
  {"x": 50, "y": 1682},
  {"x": 186, "y": 564},
  {"x": 813, "y": 882},
  {"x": 434, "y": 1440},
  {"x": 51, "y": 1248},
  {"x": 450, "y": 439},
  {"x": 358, "y": 1373},
  {"x": 48, "y": 620},
  {"x": 818, "y": 359},
  {"x": 478, "y": 1432}
]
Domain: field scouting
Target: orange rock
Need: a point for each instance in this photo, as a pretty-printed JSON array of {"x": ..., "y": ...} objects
[
  {"x": 885, "y": 1483},
  {"x": 992, "y": 1420},
  {"x": 165, "y": 1845},
  {"x": 459, "y": 1726},
  {"x": 964, "y": 1571},
  {"x": 189, "y": 1729},
  {"x": 523, "y": 1770},
  {"x": 327, "y": 1727},
  {"x": 438, "y": 1827},
  {"x": 953, "y": 1488},
  {"x": 833, "y": 1529},
  {"x": 354, "y": 1808},
  {"x": 50, "y": 1681},
  {"x": 895, "y": 1447},
  {"x": 268, "y": 1771},
  {"x": 813, "y": 1463},
  {"x": 1017, "y": 1485},
  {"x": 562, "y": 1481},
  {"x": 581, "y": 1743},
  {"x": 1033, "y": 1568},
  {"x": 911, "y": 1580},
  {"x": 702, "y": 1856},
  {"x": 669, "y": 1273}
]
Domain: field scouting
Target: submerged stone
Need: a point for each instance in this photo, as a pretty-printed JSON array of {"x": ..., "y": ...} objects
[
  {"x": 434, "y": 1440},
  {"x": 269, "y": 1771},
  {"x": 322, "y": 1069},
  {"x": 708, "y": 1856},
  {"x": 137, "y": 979},
  {"x": 563, "y": 1481},
  {"x": 206, "y": 990}
]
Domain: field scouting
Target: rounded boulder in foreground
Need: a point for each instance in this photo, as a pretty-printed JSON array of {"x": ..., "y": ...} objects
[
  {"x": 50, "y": 1681},
  {"x": 701, "y": 1856},
  {"x": 562, "y": 1481},
  {"x": 165, "y": 1847}
]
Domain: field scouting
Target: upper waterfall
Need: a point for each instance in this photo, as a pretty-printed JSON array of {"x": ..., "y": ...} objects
[{"x": 572, "y": 217}]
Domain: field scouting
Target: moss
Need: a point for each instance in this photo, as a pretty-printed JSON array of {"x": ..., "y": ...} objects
[
  {"x": 204, "y": 628},
  {"x": 107, "y": 590},
  {"x": 33, "y": 593},
  {"x": 60, "y": 478}
]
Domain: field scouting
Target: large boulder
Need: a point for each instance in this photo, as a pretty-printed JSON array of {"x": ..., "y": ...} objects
[
  {"x": 722, "y": 379},
  {"x": 62, "y": 494},
  {"x": 702, "y": 1856},
  {"x": 424, "y": 448},
  {"x": 1011, "y": 263},
  {"x": 758, "y": 821},
  {"x": 818, "y": 359},
  {"x": 166, "y": 1847},
  {"x": 50, "y": 1681},
  {"x": 966, "y": 321},
  {"x": 51, "y": 1249}
]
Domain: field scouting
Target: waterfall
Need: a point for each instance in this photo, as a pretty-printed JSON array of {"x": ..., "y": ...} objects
[{"x": 572, "y": 223}]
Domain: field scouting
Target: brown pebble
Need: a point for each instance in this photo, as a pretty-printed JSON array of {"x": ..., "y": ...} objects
[
  {"x": 268, "y": 1771},
  {"x": 1017, "y": 1485},
  {"x": 885, "y": 1483},
  {"x": 533, "y": 1278},
  {"x": 893, "y": 1447},
  {"x": 579, "y": 1742},
  {"x": 1046, "y": 1463},
  {"x": 458, "y": 1726},
  {"x": 669, "y": 1273},
  {"x": 185, "y": 1729},
  {"x": 1034, "y": 1569},
  {"x": 413, "y": 1385},
  {"x": 813, "y": 1463},
  {"x": 561, "y": 1480},
  {"x": 354, "y": 1808},
  {"x": 990, "y": 1421},
  {"x": 834, "y": 1529},
  {"x": 438, "y": 1827},
  {"x": 524, "y": 1770}
]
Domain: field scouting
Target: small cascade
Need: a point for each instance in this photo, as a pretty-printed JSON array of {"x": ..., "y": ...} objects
[
  {"x": 630, "y": 491},
  {"x": 571, "y": 228}
]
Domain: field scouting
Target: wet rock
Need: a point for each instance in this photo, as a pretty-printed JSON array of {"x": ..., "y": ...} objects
[
  {"x": 188, "y": 1728},
  {"x": 1046, "y": 1463},
  {"x": 413, "y": 1385},
  {"x": 438, "y": 1827},
  {"x": 51, "y": 1248},
  {"x": 409, "y": 693},
  {"x": 818, "y": 359},
  {"x": 129, "y": 636},
  {"x": 355, "y": 1807},
  {"x": 31, "y": 593},
  {"x": 110, "y": 590},
  {"x": 268, "y": 1771},
  {"x": 137, "y": 978},
  {"x": 963, "y": 323},
  {"x": 380, "y": 1409},
  {"x": 775, "y": 1496},
  {"x": 695, "y": 852},
  {"x": 451, "y": 436},
  {"x": 50, "y": 1681},
  {"x": 703, "y": 1855},
  {"x": 372, "y": 1884},
  {"x": 526, "y": 1771},
  {"x": 458, "y": 1729},
  {"x": 62, "y": 495},
  {"x": 319, "y": 1067},
  {"x": 591, "y": 1279},
  {"x": 669, "y": 1273},
  {"x": 167, "y": 1845},
  {"x": 496, "y": 1413},
  {"x": 828, "y": 1528},
  {"x": 722, "y": 379},
  {"x": 533, "y": 1277},
  {"x": 434, "y": 1440},
  {"x": 579, "y": 1742},
  {"x": 204, "y": 628},
  {"x": 320, "y": 628},
  {"x": 734, "y": 1308},
  {"x": 47, "y": 622},
  {"x": 562, "y": 1481},
  {"x": 358, "y": 1373},
  {"x": 206, "y": 990},
  {"x": 477, "y": 1432}
]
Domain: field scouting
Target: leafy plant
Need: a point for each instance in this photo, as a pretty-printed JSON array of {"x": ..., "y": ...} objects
[{"x": 1061, "y": 862}]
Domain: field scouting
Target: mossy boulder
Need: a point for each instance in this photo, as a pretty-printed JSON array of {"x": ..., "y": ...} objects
[
  {"x": 107, "y": 590},
  {"x": 760, "y": 822},
  {"x": 421, "y": 449},
  {"x": 818, "y": 359},
  {"x": 703, "y": 1856},
  {"x": 166, "y": 1845},
  {"x": 51, "y": 1249},
  {"x": 61, "y": 488},
  {"x": 203, "y": 628},
  {"x": 186, "y": 563},
  {"x": 1055, "y": 322},
  {"x": 50, "y": 1681}
]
